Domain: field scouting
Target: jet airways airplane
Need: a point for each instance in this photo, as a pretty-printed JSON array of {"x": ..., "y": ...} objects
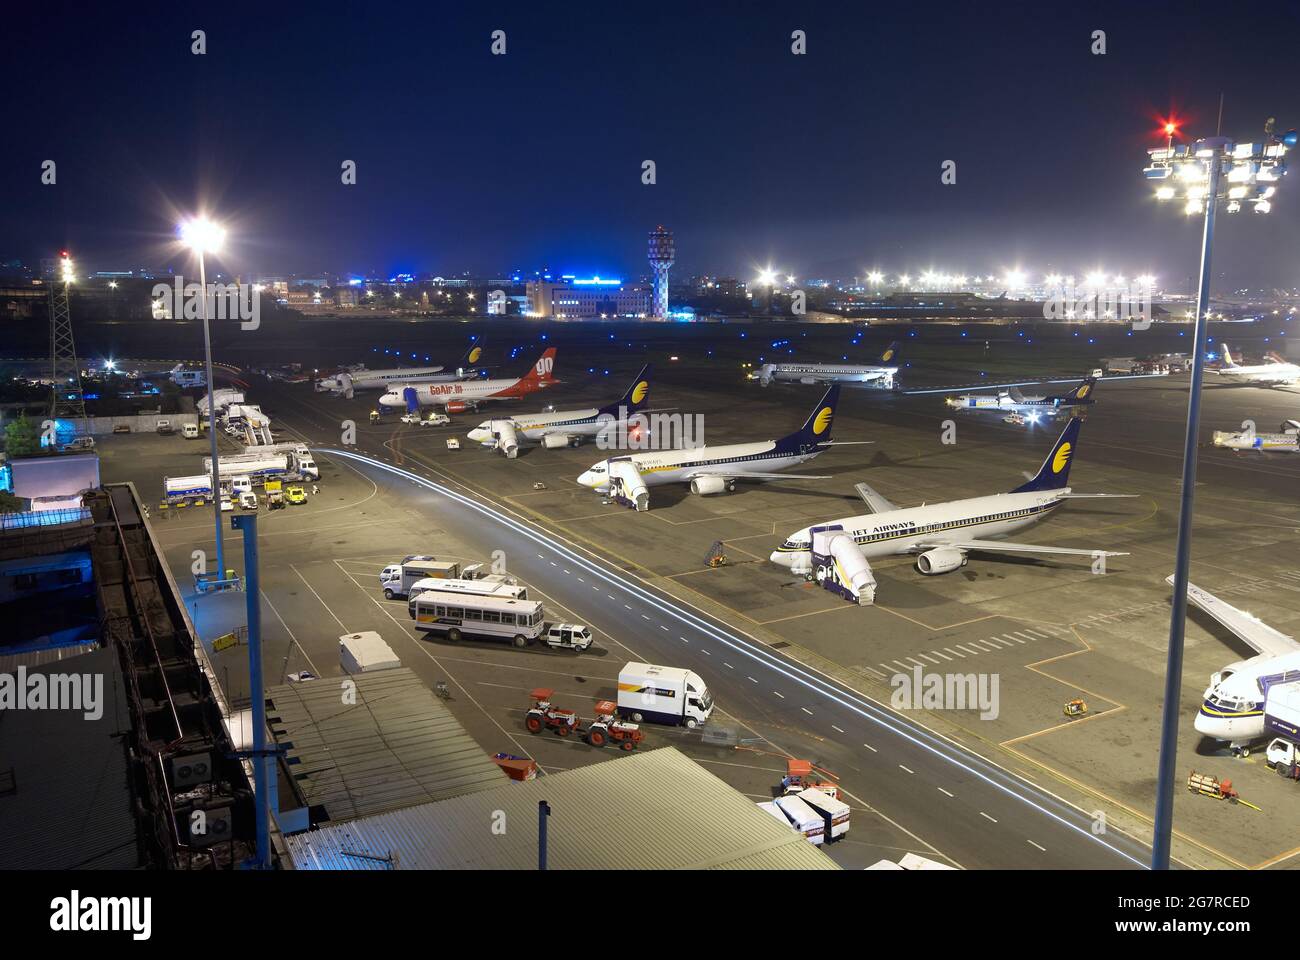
[
  {"x": 1275, "y": 372},
  {"x": 713, "y": 470},
  {"x": 1033, "y": 409},
  {"x": 880, "y": 375},
  {"x": 1232, "y": 707},
  {"x": 837, "y": 553},
  {"x": 562, "y": 428},
  {"x": 463, "y": 395},
  {"x": 346, "y": 382}
]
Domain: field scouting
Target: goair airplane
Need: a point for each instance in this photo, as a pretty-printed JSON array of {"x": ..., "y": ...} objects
[
  {"x": 713, "y": 470},
  {"x": 561, "y": 428},
  {"x": 882, "y": 375},
  {"x": 1031, "y": 408},
  {"x": 348, "y": 381},
  {"x": 463, "y": 395},
  {"x": 1232, "y": 707},
  {"x": 1275, "y": 371},
  {"x": 837, "y": 553}
]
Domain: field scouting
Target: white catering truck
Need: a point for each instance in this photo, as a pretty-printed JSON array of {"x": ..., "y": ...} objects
[
  {"x": 397, "y": 579},
  {"x": 663, "y": 695},
  {"x": 366, "y": 652},
  {"x": 803, "y": 818}
]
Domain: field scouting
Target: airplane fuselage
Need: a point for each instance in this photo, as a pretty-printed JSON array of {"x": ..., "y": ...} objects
[
  {"x": 900, "y": 531},
  {"x": 678, "y": 466}
]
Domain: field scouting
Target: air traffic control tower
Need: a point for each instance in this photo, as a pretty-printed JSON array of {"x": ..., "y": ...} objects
[{"x": 663, "y": 251}]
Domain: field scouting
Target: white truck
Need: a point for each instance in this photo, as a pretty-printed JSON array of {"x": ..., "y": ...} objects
[
  {"x": 833, "y": 811},
  {"x": 397, "y": 579},
  {"x": 1282, "y": 710},
  {"x": 262, "y": 467},
  {"x": 185, "y": 489},
  {"x": 803, "y": 818},
  {"x": 663, "y": 695},
  {"x": 366, "y": 652}
]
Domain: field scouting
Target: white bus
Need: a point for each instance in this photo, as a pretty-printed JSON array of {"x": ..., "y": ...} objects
[
  {"x": 457, "y": 615},
  {"x": 483, "y": 587}
]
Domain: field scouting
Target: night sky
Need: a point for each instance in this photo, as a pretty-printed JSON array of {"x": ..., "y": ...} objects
[{"x": 822, "y": 165}]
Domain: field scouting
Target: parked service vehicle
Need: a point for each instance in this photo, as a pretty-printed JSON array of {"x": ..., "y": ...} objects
[
  {"x": 226, "y": 505},
  {"x": 663, "y": 695},
  {"x": 453, "y": 443},
  {"x": 190, "y": 431},
  {"x": 296, "y": 494},
  {"x": 122, "y": 428},
  {"x": 456, "y": 616},
  {"x": 366, "y": 652},
  {"x": 274, "y": 495},
  {"x": 1283, "y": 756},
  {"x": 492, "y": 585},
  {"x": 248, "y": 500},
  {"x": 164, "y": 426},
  {"x": 80, "y": 443},
  {"x": 568, "y": 636},
  {"x": 398, "y": 578}
]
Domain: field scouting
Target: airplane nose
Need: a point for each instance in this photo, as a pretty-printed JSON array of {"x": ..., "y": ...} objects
[
  {"x": 1215, "y": 727},
  {"x": 778, "y": 558}
]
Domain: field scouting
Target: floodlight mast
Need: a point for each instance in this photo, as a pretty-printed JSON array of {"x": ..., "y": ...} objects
[{"x": 1198, "y": 168}]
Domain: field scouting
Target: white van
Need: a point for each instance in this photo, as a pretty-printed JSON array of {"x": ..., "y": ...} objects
[
  {"x": 241, "y": 485},
  {"x": 190, "y": 431}
]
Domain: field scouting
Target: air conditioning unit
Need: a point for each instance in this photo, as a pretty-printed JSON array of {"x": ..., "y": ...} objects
[
  {"x": 191, "y": 770},
  {"x": 213, "y": 826}
]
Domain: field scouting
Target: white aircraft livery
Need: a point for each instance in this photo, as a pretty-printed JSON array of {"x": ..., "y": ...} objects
[
  {"x": 837, "y": 553},
  {"x": 1275, "y": 372},
  {"x": 462, "y": 395},
  {"x": 563, "y": 428},
  {"x": 881, "y": 375},
  {"x": 713, "y": 470},
  {"x": 1032, "y": 408},
  {"x": 1233, "y": 707},
  {"x": 348, "y": 381}
]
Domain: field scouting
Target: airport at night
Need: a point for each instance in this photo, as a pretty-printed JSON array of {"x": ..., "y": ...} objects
[{"x": 541, "y": 450}]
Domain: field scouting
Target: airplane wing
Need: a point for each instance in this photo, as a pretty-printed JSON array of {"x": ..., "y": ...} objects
[
  {"x": 1006, "y": 546},
  {"x": 748, "y": 475},
  {"x": 1253, "y": 631},
  {"x": 874, "y": 500}
]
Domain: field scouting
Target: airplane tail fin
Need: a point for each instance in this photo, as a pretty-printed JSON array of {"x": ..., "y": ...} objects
[
  {"x": 1080, "y": 394},
  {"x": 635, "y": 398},
  {"x": 1055, "y": 471},
  {"x": 890, "y": 352},
  {"x": 472, "y": 355},
  {"x": 1227, "y": 357},
  {"x": 816, "y": 430},
  {"x": 540, "y": 372}
]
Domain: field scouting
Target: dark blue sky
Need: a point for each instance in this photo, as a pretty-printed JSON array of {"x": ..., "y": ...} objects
[{"x": 826, "y": 163}]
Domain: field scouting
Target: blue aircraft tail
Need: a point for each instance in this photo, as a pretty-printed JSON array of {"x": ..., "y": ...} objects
[
  {"x": 817, "y": 428},
  {"x": 1080, "y": 394},
  {"x": 890, "y": 353},
  {"x": 472, "y": 355},
  {"x": 635, "y": 397},
  {"x": 1055, "y": 471}
]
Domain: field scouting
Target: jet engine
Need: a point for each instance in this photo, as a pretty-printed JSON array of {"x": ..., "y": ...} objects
[
  {"x": 506, "y": 437},
  {"x": 461, "y": 406},
  {"x": 554, "y": 441},
  {"x": 708, "y": 486},
  {"x": 626, "y": 484},
  {"x": 940, "y": 560}
]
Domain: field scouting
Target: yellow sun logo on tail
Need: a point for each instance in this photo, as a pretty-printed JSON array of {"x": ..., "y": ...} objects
[
  {"x": 823, "y": 420},
  {"x": 639, "y": 391},
  {"x": 1062, "y": 458}
]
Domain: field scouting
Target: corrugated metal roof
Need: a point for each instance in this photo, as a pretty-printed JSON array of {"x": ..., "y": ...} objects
[
  {"x": 653, "y": 809},
  {"x": 10, "y": 662},
  {"x": 396, "y": 746},
  {"x": 65, "y": 788}
]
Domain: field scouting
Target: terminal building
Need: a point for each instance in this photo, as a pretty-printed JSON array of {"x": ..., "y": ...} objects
[{"x": 589, "y": 298}]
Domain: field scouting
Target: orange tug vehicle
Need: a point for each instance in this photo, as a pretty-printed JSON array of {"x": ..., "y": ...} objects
[{"x": 606, "y": 728}]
